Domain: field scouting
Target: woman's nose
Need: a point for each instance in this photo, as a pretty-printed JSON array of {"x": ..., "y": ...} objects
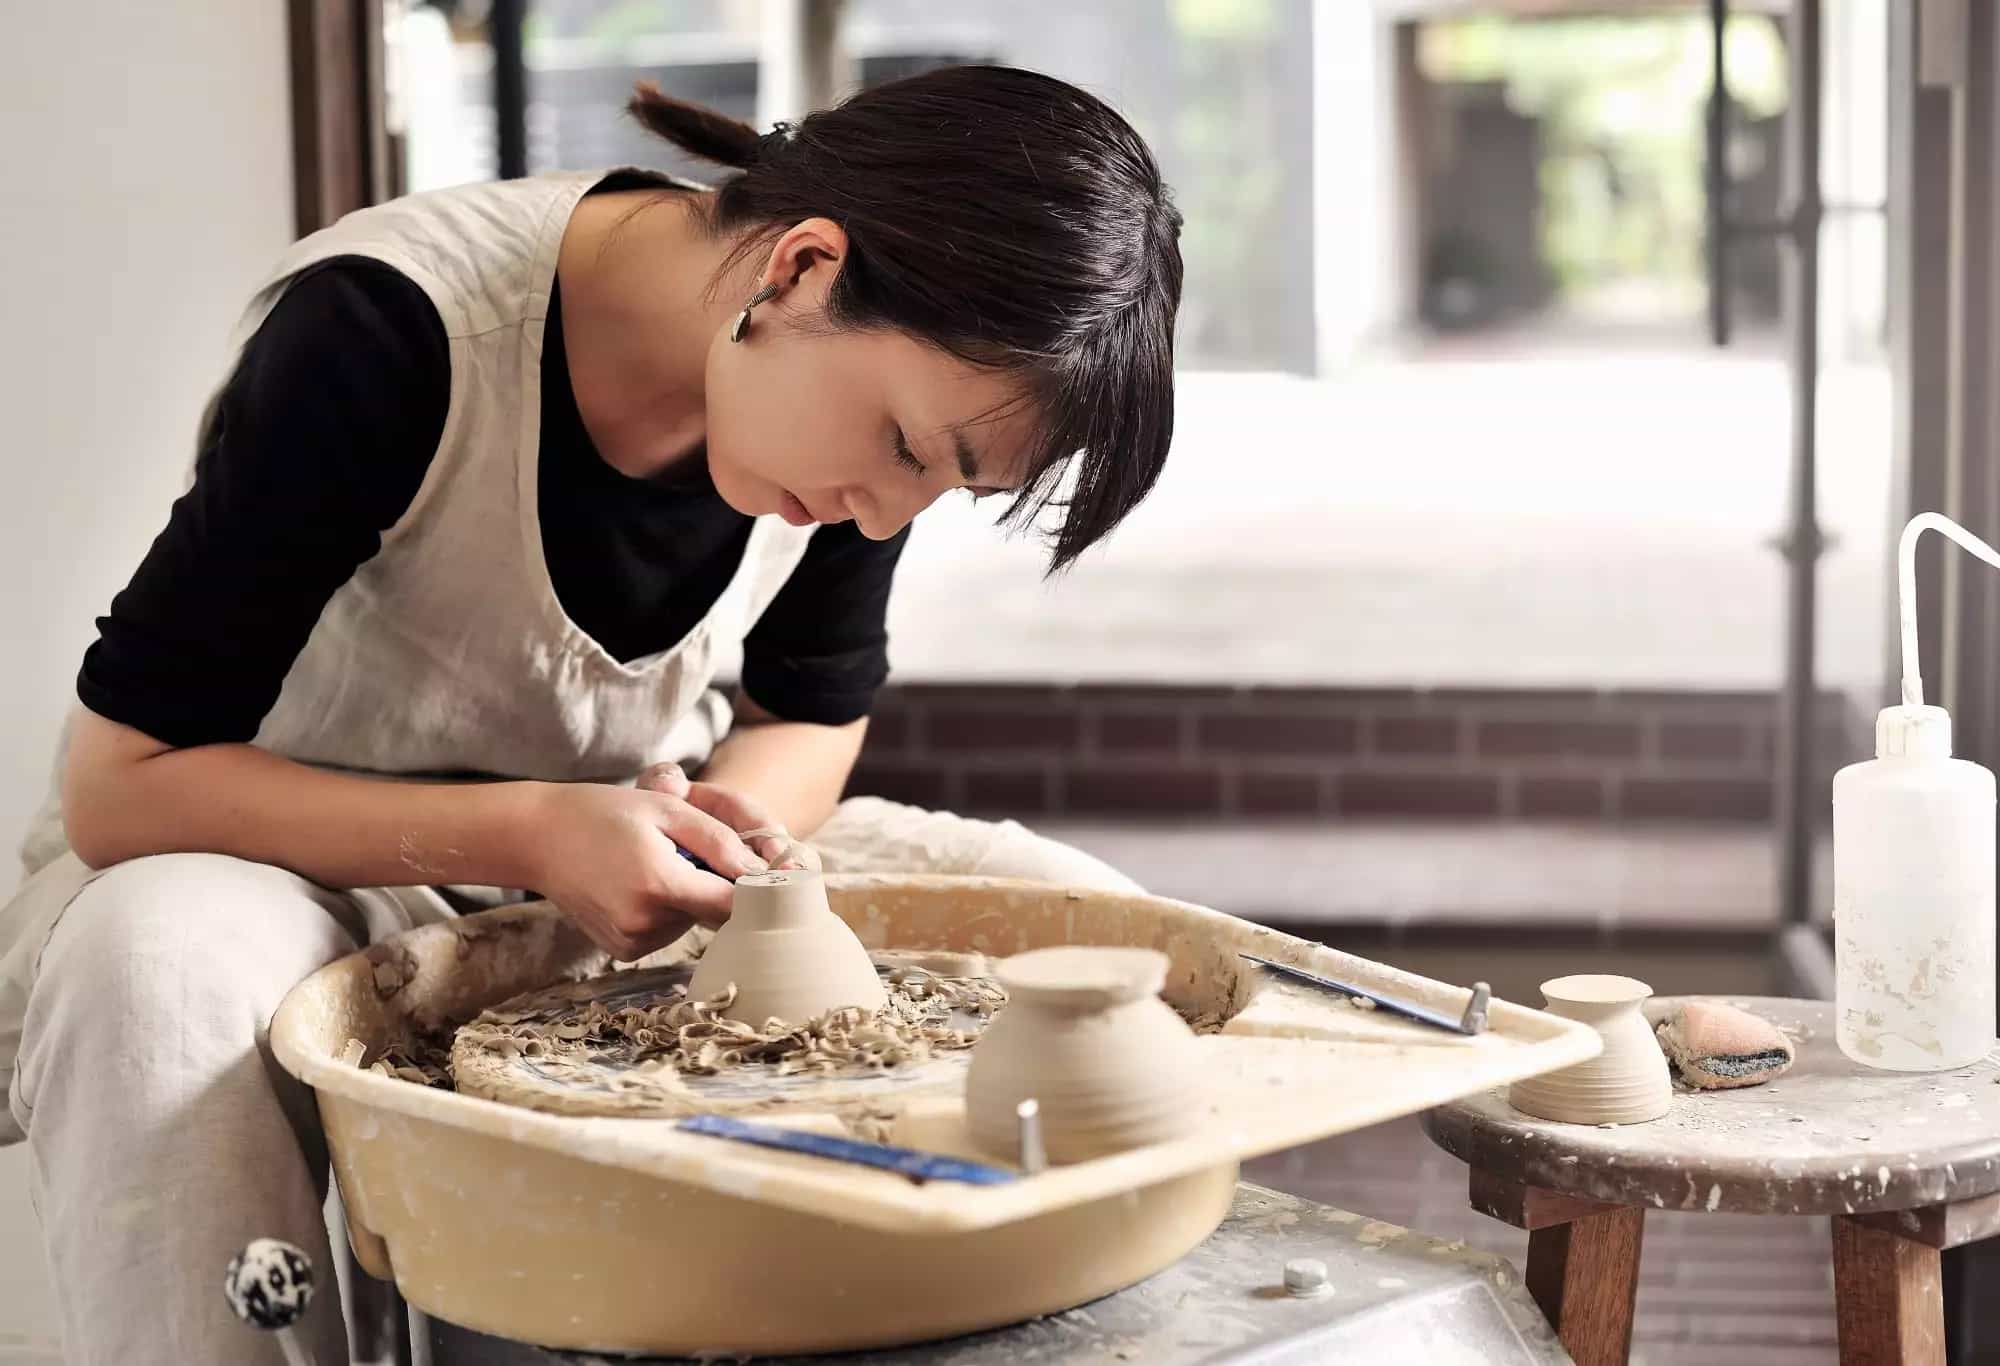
[{"x": 882, "y": 513}]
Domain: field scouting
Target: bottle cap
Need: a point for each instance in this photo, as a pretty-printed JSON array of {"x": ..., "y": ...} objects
[{"x": 1913, "y": 733}]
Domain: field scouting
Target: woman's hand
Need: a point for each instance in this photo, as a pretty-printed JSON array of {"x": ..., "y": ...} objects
[
  {"x": 607, "y": 856},
  {"x": 762, "y": 832}
]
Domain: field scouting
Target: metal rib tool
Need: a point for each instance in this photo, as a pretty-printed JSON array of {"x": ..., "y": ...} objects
[{"x": 1472, "y": 1021}]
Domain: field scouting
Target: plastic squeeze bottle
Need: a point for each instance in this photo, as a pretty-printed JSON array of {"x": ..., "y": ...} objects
[{"x": 1913, "y": 874}]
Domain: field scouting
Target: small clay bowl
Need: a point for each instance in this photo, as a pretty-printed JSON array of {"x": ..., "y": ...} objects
[
  {"x": 1625, "y": 1084},
  {"x": 1085, "y": 1035},
  {"x": 790, "y": 957}
]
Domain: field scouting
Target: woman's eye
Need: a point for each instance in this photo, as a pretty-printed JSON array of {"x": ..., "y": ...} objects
[{"x": 904, "y": 457}]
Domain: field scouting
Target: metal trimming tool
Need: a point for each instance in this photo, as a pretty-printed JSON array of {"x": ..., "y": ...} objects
[{"x": 1471, "y": 1021}]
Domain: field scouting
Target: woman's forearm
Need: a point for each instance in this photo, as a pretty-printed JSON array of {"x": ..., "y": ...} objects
[
  {"x": 126, "y": 795},
  {"x": 795, "y": 769}
]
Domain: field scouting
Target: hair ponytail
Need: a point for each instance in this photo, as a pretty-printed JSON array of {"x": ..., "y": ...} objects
[
  {"x": 695, "y": 130},
  {"x": 1007, "y": 218}
]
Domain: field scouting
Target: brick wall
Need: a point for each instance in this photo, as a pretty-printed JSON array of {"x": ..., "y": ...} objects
[{"x": 1096, "y": 750}]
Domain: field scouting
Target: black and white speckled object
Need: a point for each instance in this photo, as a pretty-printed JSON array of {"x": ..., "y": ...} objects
[
  {"x": 269, "y": 1284},
  {"x": 1714, "y": 1046}
]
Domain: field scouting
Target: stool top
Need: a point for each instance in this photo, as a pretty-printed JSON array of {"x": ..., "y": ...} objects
[{"x": 1828, "y": 1137}]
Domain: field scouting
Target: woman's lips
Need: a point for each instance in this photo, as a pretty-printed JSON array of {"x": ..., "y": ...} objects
[{"x": 794, "y": 511}]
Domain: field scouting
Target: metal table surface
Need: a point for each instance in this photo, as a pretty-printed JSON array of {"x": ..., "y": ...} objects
[{"x": 1394, "y": 1296}]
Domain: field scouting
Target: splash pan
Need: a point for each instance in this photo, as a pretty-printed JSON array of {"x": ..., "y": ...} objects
[{"x": 627, "y": 1235}]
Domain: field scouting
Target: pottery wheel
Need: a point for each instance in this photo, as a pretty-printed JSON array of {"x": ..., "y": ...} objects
[{"x": 630, "y": 1077}]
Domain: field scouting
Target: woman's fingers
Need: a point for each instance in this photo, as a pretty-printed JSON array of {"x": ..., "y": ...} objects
[
  {"x": 734, "y": 809},
  {"x": 661, "y": 929},
  {"x": 669, "y": 780},
  {"x": 771, "y": 844},
  {"x": 758, "y": 833},
  {"x": 695, "y": 894},
  {"x": 680, "y": 895},
  {"x": 720, "y": 847},
  {"x": 753, "y": 822},
  {"x": 797, "y": 855}
]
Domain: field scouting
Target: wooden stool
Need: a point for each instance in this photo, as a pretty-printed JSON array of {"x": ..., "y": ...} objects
[{"x": 1907, "y": 1164}]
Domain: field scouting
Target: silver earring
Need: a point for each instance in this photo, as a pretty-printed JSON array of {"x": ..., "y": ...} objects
[{"x": 743, "y": 319}]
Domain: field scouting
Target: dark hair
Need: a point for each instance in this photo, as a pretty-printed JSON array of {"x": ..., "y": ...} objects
[{"x": 1006, "y": 217}]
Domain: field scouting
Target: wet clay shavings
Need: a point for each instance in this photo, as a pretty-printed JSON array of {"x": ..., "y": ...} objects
[
  {"x": 424, "y": 1060},
  {"x": 697, "y": 1039}
]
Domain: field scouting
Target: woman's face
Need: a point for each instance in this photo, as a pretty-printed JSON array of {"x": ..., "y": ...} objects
[{"x": 869, "y": 427}]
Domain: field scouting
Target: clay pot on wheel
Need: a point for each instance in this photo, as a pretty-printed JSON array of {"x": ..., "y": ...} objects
[
  {"x": 789, "y": 955},
  {"x": 1085, "y": 1035},
  {"x": 1625, "y": 1084}
]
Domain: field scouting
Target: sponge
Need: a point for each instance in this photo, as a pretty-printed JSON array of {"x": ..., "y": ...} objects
[{"x": 1714, "y": 1046}]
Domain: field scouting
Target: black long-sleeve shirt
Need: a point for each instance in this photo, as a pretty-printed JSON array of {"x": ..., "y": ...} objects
[{"x": 325, "y": 432}]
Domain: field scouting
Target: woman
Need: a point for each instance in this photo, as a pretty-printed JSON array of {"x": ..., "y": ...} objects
[{"x": 497, "y": 473}]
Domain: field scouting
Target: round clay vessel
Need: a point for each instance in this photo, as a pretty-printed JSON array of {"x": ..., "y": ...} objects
[
  {"x": 1625, "y": 1084},
  {"x": 789, "y": 955},
  {"x": 1085, "y": 1035}
]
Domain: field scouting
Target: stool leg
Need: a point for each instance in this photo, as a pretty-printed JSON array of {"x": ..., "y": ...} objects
[
  {"x": 1889, "y": 1297},
  {"x": 1585, "y": 1276}
]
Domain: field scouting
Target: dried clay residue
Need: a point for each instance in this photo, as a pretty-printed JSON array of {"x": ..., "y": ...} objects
[
  {"x": 424, "y": 1059},
  {"x": 671, "y": 1030},
  {"x": 644, "y": 1034},
  {"x": 393, "y": 967}
]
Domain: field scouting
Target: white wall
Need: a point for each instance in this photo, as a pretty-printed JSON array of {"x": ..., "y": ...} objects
[{"x": 145, "y": 179}]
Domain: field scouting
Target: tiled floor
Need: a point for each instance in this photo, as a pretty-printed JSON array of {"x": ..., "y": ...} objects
[{"x": 1714, "y": 1289}]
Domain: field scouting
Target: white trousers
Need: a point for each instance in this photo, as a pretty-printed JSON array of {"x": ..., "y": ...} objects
[{"x": 162, "y": 1136}]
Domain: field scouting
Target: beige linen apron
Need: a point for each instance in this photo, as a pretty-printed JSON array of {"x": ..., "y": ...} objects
[{"x": 448, "y": 653}]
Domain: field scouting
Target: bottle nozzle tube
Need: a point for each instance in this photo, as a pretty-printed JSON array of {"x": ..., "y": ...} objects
[{"x": 1906, "y": 588}]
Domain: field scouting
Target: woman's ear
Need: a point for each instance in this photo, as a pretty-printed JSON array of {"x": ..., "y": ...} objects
[{"x": 804, "y": 262}]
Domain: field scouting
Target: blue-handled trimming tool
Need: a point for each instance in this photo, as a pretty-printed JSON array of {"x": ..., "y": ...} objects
[{"x": 910, "y": 1162}]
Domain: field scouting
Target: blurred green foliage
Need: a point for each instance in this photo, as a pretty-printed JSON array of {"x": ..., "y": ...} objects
[
  {"x": 1622, "y": 105},
  {"x": 1226, "y": 125}
]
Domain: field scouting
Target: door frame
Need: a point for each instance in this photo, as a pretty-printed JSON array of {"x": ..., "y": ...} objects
[{"x": 342, "y": 157}]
